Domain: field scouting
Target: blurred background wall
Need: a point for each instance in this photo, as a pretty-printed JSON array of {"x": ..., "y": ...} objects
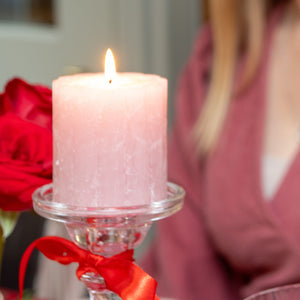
[{"x": 42, "y": 39}]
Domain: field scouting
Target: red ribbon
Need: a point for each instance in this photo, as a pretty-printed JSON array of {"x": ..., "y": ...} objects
[{"x": 121, "y": 275}]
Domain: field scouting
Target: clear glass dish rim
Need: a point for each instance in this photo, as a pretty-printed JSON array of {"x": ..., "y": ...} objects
[
  {"x": 44, "y": 206},
  {"x": 283, "y": 288}
]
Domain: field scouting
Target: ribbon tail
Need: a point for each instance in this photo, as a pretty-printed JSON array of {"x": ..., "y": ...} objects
[
  {"x": 128, "y": 280},
  {"x": 54, "y": 248},
  {"x": 23, "y": 266}
]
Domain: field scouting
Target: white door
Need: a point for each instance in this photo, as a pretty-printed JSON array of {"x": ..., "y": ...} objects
[{"x": 81, "y": 32}]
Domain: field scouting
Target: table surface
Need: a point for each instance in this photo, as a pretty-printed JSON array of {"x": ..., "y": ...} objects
[{"x": 14, "y": 295}]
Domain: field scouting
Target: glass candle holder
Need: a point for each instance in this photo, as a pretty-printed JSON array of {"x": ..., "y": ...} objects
[{"x": 106, "y": 231}]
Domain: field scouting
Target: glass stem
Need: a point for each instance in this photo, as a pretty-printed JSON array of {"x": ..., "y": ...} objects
[{"x": 104, "y": 295}]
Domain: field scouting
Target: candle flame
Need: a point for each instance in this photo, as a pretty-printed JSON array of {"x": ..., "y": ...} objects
[{"x": 110, "y": 66}]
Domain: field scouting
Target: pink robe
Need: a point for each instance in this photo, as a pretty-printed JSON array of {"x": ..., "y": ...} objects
[{"x": 227, "y": 242}]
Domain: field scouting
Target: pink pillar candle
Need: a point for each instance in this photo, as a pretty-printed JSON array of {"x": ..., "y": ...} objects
[{"x": 109, "y": 140}]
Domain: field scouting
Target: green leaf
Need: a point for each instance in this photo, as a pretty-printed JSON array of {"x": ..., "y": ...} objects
[
  {"x": 27, "y": 295},
  {"x": 8, "y": 221}
]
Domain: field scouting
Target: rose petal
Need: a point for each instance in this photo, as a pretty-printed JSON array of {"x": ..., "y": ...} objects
[
  {"x": 25, "y": 161},
  {"x": 30, "y": 102},
  {"x": 18, "y": 187},
  {"x": 24, "y": 141},
  {"x": 2, "y": 109}
]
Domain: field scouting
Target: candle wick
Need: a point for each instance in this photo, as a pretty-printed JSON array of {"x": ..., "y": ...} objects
[{"x": 110, "y": 81}]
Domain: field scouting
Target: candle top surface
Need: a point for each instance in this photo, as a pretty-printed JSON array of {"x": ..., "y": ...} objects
[{"x": 98, "y": 80}]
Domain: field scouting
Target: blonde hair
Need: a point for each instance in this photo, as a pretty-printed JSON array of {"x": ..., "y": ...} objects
[{"x": 235, "y": 24}]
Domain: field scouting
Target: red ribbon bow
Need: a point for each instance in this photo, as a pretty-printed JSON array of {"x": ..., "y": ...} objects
[{"x": 121, "y": 275}]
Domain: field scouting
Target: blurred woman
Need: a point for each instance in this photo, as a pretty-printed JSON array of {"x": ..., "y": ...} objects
[{"x": 235, "y": 150}]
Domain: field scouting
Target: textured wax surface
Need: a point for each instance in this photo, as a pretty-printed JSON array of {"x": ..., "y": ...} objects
[{"x": 109, "y": 140}]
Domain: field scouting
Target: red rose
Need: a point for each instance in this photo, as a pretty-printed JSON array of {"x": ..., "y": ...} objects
[{"x": 25, "y": 143}]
